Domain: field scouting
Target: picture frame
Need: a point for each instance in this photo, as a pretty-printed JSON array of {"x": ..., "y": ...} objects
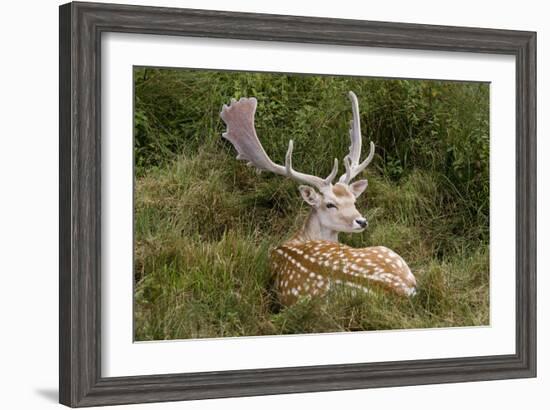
[{"x": 81, "y": 27}]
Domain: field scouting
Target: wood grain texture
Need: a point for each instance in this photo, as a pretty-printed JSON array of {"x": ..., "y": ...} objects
[{"x": 81, "y": 25}]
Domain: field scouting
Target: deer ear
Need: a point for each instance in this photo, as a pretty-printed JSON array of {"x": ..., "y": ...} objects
[
  {"x": 310, "y": 196},
  {"x": 358, "y": 187}
]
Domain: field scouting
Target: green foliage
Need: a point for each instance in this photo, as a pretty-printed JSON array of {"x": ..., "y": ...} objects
[{"x": 204, "y": 222}]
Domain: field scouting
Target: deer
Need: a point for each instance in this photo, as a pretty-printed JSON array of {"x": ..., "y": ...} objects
[{"x": 313, "y": 261}]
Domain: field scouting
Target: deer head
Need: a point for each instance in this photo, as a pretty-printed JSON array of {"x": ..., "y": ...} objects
[{"x": 333, "y": 205}]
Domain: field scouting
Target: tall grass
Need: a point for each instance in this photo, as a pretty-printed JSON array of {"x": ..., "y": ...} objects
[{"x": 204, "y": 222}]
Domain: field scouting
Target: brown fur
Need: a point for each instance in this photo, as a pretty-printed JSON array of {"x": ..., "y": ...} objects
[
  {"x": 312, "y": 268},
  {"x": 341, "y": 191}
]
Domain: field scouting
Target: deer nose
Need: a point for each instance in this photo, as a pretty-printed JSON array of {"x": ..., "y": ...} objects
[{"x": 362, "y": 222}]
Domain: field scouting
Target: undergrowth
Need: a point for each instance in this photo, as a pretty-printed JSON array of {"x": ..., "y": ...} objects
[{"x": 204, "y": 222}]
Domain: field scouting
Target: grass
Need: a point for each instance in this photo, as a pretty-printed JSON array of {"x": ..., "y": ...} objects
[
  {"x": 204, "y": 223},
  {"x": 201, "y": 264}
]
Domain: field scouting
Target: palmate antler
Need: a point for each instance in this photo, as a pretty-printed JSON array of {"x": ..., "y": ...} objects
[
  {"x": 351, "y": 161},
  {"x": 239, "y": 118}
]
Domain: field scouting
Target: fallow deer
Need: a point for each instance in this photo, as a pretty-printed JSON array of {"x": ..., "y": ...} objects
[{"x": 312, "y": 261}]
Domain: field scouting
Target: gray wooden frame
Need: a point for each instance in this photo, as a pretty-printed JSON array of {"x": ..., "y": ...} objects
[{"x": 81, "y": 27}]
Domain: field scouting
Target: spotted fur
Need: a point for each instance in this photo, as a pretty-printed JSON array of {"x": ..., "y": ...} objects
[{"x": 314, "y": 267}]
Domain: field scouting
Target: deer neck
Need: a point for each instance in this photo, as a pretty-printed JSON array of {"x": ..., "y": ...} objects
[{"x": 312, "y": 230}]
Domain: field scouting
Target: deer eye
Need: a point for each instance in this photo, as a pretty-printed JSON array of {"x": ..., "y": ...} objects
[{"x": 331, "y": 205}]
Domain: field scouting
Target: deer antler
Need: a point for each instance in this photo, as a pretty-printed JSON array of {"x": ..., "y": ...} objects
[
  {"x": 351, "y": 161},
  {"x": 239, "y": 118}
]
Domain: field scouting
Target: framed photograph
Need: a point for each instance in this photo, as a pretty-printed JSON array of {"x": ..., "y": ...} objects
[{"x": 259, "y": 204}]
